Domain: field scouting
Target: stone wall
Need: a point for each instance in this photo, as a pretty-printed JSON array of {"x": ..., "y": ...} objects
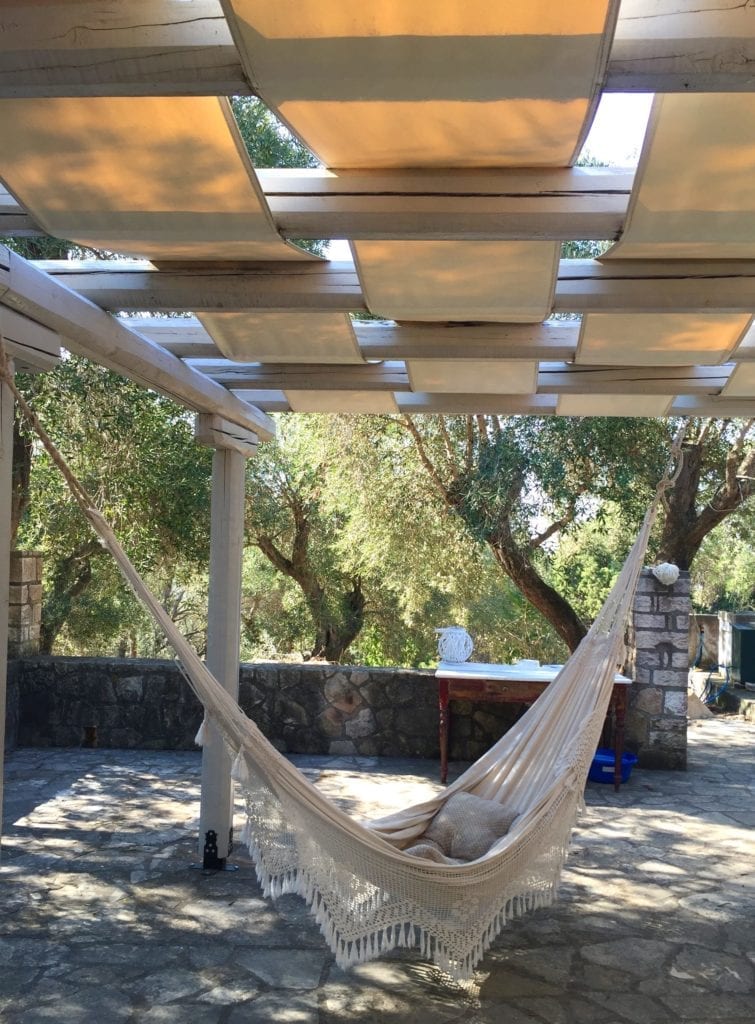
[
  {"x": 11, "y": 707},
  {"x": 657, "y": 717},
  {"x": 24, "y": 603},
  {"x": 307, "y": 708}
]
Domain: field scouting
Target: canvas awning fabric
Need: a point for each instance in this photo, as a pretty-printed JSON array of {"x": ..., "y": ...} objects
[
  {"x": 694, "y": 196},
  {"x": 428, "y": 85},
  {"x": 284, "y": 337},
  {"x": 168, "y": 179},
  {"x": 447, "y": 132}
]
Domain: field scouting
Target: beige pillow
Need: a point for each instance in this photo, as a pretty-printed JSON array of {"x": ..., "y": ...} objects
[
  {"x": 466, "y": 826},
  {"x": 429, "y": 850}
]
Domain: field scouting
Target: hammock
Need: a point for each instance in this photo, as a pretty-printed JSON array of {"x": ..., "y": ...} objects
[{"x": 365, "y": 884}]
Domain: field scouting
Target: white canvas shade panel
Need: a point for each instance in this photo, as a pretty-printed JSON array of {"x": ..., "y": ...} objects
[
  {"x": 741, "y": 384},
  {"x": 658, "y": 339},
  {"x": 414, "y": 84},
  {"x": 694, "y": 193},
  {"x": 372, "y": 402},
  {"x": 509, "y": 282},
  {"x": 160, "y": 178},
  {"x": 613, "y": 405},
  {"x": 473, "y": 376},
  {"x": 284, "y": 337}
]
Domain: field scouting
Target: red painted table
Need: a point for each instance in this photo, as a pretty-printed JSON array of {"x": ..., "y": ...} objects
[{"x": 513, "y": 684}]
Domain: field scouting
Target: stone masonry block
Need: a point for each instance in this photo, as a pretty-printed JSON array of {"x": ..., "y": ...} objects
[
  {"x": 18, "y": 593},
  {"x": 665, "y": 678},
  {"x": 675, "y": 702},
  {"x": 648, "y": 699},
  {"x": 20, "y": 615},
  {"x": 361, "y": 725},
  {"x": 25, "y": 567}
]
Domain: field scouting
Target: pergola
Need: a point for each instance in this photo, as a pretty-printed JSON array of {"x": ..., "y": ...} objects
[{"x": 447, "y": 135}]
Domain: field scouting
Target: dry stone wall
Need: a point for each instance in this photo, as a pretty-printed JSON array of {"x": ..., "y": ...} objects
[{"x": 307, "y": 708}]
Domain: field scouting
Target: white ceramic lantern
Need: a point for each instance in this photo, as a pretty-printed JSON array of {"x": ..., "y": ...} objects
[{"x": 454, "y": 643}]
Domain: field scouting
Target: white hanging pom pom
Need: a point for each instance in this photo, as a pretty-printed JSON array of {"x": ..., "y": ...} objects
[
  {"x": 201, "y": 734},
  {"x": 454, "y": 643},
  {"x": 666, "y": 573}
]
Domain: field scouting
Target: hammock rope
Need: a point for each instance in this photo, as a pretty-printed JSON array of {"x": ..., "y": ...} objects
[{"x": 367, "y": 893}]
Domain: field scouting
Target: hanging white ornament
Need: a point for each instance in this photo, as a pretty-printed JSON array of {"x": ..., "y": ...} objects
[
  {"x": 454, "y": 643},
  {"x": 666, "y": 573}
]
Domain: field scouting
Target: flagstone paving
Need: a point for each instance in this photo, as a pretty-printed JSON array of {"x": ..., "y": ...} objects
[{"x": 103, "y": 920}]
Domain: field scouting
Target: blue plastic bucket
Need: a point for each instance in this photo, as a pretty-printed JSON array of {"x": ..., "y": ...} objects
[{"x": 602, "y": 768}]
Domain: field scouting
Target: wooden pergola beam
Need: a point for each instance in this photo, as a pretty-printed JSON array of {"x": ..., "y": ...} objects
[
  {"x": 87, "y": 330},
  {"x": 584, "y": 286},
  {"x": 140, "y": 47},
  {"x": 553, "y": 378},
  {"x": 186, "y": 338},
  {"x": 549, "y": 205},
  {"x": 681, "y": 46},
  {"x": 553, "y": 205}
]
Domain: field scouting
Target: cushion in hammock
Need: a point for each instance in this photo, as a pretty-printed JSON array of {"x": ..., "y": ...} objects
[
  {"x": 466, "y": 826},
  {"x": 429, "y": 850}
]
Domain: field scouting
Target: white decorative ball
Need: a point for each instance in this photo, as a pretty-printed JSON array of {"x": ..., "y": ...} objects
[
  {"x": 666, "y": 573},
  {"x": 454, "y": 643}
]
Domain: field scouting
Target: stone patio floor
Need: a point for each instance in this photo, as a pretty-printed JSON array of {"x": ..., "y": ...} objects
[{"x": 102, "y": 919}]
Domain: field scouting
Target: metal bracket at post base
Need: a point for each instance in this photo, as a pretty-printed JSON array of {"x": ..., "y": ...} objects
[{"x": 210, "y": 859}]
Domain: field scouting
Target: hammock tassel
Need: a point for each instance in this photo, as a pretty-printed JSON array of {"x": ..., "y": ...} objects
[
  {"x": 201, "y": 736},
  {"x": 240, "y": 771}
]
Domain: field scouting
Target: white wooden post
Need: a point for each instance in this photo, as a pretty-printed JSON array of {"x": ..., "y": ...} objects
[
  {"x": 223, "y": 624},
  {"x": 6, "y": 463}
]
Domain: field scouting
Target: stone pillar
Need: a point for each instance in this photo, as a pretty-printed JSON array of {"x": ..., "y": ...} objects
[
  {"x": 24, "y": 603},
  {"x": 659, "y": 660}
]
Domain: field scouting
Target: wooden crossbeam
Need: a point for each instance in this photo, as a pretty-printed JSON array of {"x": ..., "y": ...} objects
[
  {"x": 139, "y": 47},
  {"x": 89, "y": 331},
  {"x": 519, "y": 405},
  {"x": 187, "y": 338},
  {"x": 682, "y": 46},
  {"x": 615, "y": 286},
  {"x": 565, "y": 203},
  {"x": 554, "y": 378}
]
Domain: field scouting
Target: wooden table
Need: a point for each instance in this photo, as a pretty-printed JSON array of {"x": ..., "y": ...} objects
[{"x": 513, "y": 684}]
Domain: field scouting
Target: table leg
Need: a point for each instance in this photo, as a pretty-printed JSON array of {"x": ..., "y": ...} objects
[
  {"x": 620, "y": 714},
  {"x": 443, "y": 715}
]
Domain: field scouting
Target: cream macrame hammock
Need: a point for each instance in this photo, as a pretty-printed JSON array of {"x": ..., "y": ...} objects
[{"x": 367, "y": 893}]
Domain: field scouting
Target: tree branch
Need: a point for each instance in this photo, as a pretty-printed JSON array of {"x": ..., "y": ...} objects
[{"x": 409, "y": 424}]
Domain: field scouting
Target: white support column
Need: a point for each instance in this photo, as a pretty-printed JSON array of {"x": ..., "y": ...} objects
[
  {"x": 6, "y": 463},
  {"x": 223, "y": 626}
]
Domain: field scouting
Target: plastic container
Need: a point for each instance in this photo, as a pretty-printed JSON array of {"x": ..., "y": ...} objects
[{"x": 602, "y": 768}]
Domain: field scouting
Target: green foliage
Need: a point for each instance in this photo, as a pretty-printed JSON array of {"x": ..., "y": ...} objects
[
  {"x": 584, "y": 250},
  {"x": 527, "y": 469},
  {"x": 723, "y": 573},
  {"x": 587, "y": 561},
  {"x": 419, "y": 567},
  {"x": 268, "y": 142},
  {"x": 133, "y": 451}
]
